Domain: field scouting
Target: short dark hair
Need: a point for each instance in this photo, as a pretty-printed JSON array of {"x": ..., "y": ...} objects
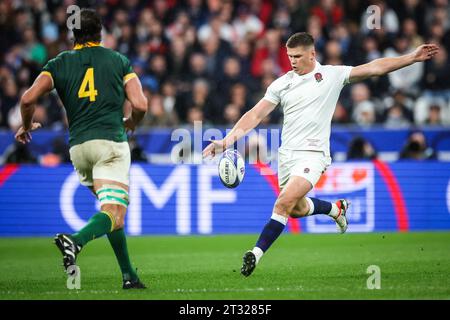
[
  {"x": 300, "y": 39},
  {"x": 90, "y": 27}
]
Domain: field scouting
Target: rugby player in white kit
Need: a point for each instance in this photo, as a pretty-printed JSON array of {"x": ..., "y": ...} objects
[{"x": 307, "y": 95}]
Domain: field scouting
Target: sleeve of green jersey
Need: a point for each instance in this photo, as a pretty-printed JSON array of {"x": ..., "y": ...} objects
[
  {"x": 128, "y": 72},
  {"x": 51, "y": 69}
]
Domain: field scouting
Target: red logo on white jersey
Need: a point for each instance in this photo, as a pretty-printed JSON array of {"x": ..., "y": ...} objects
[{"x": 318, "y": 77}]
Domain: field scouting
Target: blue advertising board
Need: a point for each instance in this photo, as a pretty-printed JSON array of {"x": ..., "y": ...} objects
[
  {"x": 190, "y": 199},
  {"x": 162, "y": 140}
]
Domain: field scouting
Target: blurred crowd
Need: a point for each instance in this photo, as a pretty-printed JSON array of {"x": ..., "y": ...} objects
[{"x": 212, "y": 60}]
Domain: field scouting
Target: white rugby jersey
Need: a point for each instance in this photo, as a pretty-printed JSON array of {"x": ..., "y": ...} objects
[{"x": 308, "y": 102}]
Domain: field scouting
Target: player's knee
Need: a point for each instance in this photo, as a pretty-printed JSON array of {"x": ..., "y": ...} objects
[
  {"x": 298, "y": 213},
  {"x": 116, "y": 214},
  {"x": 120, "y": 221},
  {"x": 295, "y": 213},
  {"x": 301, "y": 209},
  {"x": 283, "y": 207},
  {"x": 117, "y": 217}
]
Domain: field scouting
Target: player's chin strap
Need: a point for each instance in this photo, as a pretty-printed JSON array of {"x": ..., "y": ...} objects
[{"x": 112, "y": 194}]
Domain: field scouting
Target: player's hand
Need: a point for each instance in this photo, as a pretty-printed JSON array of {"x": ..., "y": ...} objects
[
  {"x": 425, "y": 52},
  {"x": 215, "y": 147},
  {"x": 25, "y": 136},
  {"x": 129, "y": 124}
]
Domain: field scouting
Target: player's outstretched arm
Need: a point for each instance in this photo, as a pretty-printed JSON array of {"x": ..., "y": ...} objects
[
  {"x": 42, "y": 85},
  {"x": 383, "y": 66},
  {"x": 139, "y": 103},
  {"x": 246, "y": 123}
]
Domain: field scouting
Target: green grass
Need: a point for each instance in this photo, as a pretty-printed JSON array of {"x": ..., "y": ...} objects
[{"x": 330, "y": 266}]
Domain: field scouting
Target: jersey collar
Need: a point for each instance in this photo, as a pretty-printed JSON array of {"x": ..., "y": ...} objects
[
  {"x": 86, "y": 45},
  {"x": 306, "y": 75}
]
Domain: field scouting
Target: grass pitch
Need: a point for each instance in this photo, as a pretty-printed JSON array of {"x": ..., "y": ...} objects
[{"x": 329, "y": 266}]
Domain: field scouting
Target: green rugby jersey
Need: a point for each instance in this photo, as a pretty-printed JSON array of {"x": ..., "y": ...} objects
[{"x": 90, "y": 82}]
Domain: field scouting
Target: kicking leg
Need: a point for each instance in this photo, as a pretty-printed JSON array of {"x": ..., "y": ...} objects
[
  {"x": 310, "y": 206},
  {"x": 70, "y": 245},
  {"x": 296, "y": 188},
  {"x": 98, "y": 225}
]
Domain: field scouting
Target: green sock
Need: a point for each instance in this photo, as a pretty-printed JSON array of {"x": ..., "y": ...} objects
[
  {"x": 118, "y": 242},
  {"x": 97, "y": 226}
]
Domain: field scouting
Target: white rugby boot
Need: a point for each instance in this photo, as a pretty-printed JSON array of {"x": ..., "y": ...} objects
[{"x": 341, "y": 220}]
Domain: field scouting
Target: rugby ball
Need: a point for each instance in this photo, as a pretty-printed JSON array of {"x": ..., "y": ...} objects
[{"x": 231, "y": 168}]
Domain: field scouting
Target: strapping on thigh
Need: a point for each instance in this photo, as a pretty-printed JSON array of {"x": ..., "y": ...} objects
[{"x": 112, "y": 194}]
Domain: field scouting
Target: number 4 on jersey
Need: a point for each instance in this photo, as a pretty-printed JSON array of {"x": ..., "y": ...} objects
[{"x": 88, "y": 83}]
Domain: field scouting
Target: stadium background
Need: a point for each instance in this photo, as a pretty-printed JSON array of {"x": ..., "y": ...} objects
[{"x": 208, "y": 62}]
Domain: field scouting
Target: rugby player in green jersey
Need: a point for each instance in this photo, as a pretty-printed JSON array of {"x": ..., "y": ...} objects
[{"x": 93, "y": 83}]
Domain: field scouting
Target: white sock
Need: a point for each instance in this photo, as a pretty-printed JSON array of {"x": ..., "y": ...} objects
[
  {"x": 258, "y": 253},
  {"x": 334, "y": 211},
  {"x": 278, "y": 217},
  {"x": 311, "y": 206}
]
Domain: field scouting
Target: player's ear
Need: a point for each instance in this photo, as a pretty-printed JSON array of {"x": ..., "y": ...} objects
[{"x": 313, "y": 54}]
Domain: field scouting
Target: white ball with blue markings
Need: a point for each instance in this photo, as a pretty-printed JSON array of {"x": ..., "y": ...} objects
[{"x": 231, "y": 168}]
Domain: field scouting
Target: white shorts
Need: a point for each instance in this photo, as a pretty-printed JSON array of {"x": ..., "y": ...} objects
[
  {"x": 101, "y": 159},
  {"x": 307, "y": 164}
]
